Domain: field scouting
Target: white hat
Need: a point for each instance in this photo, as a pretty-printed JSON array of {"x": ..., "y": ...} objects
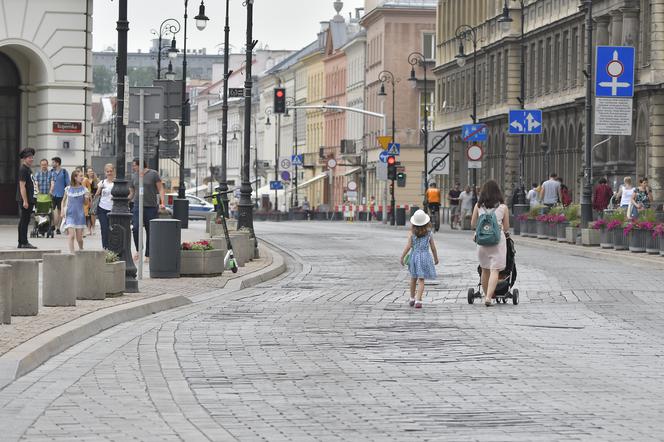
[{"x": 420, "y": 218}]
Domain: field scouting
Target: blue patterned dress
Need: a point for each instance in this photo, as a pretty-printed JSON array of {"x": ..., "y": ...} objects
[
  {"x": 421, "y": 262},
  {"x": 75, "y": 216}
]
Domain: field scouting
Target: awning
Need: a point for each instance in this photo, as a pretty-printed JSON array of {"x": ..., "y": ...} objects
[
  {"x": 352, "y": 171},
  {"x": 312, "y": 180}
]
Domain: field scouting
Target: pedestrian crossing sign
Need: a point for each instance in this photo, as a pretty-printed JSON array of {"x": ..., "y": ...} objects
[{"x": 394, "y": 149}]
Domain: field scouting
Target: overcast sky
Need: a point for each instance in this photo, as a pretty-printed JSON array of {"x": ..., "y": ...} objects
[{"x": 279, "y": 24}]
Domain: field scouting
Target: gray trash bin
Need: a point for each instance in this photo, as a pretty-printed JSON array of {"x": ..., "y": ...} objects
[
  {"x": 165, "y": 248},
  {"x": 401, "y": 216}
]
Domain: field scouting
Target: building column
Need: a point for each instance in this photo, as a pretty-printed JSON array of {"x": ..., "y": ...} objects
[
  {"x": 656, "y": 154},
  {"x": 657, "y": 40}
]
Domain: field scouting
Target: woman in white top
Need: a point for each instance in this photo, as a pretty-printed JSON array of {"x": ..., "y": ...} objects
[
  {"x": 625, "y": 193},
  {"x": 105, "y": 202},
  {"x": 492, "y": 259}
]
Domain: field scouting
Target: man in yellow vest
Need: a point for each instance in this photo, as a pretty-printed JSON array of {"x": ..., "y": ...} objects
[{"x": 433, "y": 204}]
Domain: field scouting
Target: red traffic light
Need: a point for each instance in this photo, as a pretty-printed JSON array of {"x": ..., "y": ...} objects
[
  {"x": 391, "y": 160},
  {"x": 280, "y": 93}
]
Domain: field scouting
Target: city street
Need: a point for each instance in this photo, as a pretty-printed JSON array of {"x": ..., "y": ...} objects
[{"x": 331, "y": 351}]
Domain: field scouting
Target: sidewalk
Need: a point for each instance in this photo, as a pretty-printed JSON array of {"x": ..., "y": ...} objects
[{"x": 31, "y": 340}]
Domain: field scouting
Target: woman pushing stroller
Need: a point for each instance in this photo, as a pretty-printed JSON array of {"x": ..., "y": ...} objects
[{"x": 492, "y": 215}]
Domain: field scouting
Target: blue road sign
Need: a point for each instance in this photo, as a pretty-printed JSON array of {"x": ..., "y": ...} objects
[
  {"x": 285, "y": 175},
  {"x": 525, "y": 122},
  {"x": 383, "y": 156},
  {"x": 474, "y": 132},
  {"x": 394, "y": 149},
  {"x": 297, "y": 160},
  {"x": 614, "y": 73},
  {"x": 276, "y": 185}
]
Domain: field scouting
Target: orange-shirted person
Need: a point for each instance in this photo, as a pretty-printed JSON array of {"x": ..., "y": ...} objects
[{"x": 433, "y": 203}]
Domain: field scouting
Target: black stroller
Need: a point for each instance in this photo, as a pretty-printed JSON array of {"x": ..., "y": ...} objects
[{"x": 506, "y": 280}]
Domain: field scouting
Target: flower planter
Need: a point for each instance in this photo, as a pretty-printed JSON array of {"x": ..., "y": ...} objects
[
  {"x": 114, "y": 278},
  {"x": 542, "y": 229},
  {"x": 531, "y": 227},
  {"x": 652, "y": 245},
  {"x": 605, "y": 238},
  {"x": 201, "y": 262},
  {"x": 661, "y": 246},
  {"x": 552, "y": 231},
  {"x": 590, "y": 237},
  {"x": 620, "y": 241},
  {"x": 638, "y": 239},
  {"x": 571, "y": 233},
  {"x": 561, "y": 234}
]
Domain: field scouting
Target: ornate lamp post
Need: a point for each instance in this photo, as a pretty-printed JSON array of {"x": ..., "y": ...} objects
[
  {"x": 417, "y": 58},
  {"x": 388, "y": 77},
  {"x": 290, "y": 101},
  {"x": 181, "y": 204},
  {"x": 469, "y": 34},
  {"x": 246, "y": 215},
  {"x": 269, "y": 111},
  {"x": 170, "y": 26},
  {"x": 223, "y": 176}
]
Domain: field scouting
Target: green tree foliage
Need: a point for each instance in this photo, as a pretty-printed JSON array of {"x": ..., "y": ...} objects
[
  {"x": 103, "y": 80},
  {"x": 142, "y": 77}
]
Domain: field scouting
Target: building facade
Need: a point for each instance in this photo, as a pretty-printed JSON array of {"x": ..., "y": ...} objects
[
  {"x": 45, "y": 86},
  {"x": 554, "y": 49}
]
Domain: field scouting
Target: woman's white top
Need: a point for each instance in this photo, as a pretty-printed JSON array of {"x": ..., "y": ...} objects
[
  {"x": 106, "y": 200},
  {"x": 626, "y": 196}
]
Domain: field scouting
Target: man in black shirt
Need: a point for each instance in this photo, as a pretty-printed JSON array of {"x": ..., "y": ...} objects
[
  {"x": 453, "y": 196},
  {"x": 25, "y": 196}
]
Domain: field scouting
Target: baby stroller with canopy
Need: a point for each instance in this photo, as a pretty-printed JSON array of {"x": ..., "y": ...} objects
[
  {"x": 506, "y": 280},
  {"x": 43, "y": 217}
]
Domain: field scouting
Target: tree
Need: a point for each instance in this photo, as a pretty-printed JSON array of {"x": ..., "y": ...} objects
[
  {"x": 142, "y": 77},
  {"x": 103, "y": 80}
]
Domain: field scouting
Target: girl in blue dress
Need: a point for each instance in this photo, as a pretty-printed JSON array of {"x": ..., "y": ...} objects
[
  {"x": 421, "y": 264},
  {"x": 76, "y": 196}
]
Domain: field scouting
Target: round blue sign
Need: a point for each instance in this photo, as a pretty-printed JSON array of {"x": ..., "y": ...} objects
[{"x": 285, "y": 175}]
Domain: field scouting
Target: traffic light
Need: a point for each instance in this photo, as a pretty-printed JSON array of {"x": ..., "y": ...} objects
[
  {"x": 279, "y": 100},
  {"x": 401, "y": 179},
  {"x": 392, "y": 167}
]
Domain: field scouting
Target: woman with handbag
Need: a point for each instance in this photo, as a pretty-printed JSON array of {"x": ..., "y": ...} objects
[
  {"x": 103, "y": 203},
  {"x": 90, "y": 182}
]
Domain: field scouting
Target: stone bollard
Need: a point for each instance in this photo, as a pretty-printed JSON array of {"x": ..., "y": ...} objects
[
  {"x": 90, "y": 274},
  {"x": 59, "y": 281},
  {"x": 6, "y": 277},
  {"x": 242, "y": 247},
  {"x": 25, "y": 289}
]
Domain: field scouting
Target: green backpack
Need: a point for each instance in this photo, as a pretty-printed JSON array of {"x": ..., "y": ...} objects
[{"x": 488, "y": 230}]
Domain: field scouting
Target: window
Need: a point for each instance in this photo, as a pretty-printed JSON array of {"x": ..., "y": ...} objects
[
  {"x": 646, "y": 33},
  {"x": 575, "y": 56},
  {"x": 558, "y": 65},
  {"x": 505, "y": 75},
  {"x": 547, "y": 67},
  {"x": 429, "y": 45},
  {"x": 540, "y": 68},
  {"x": 427, "y": 104},
  {"x": 565, "y": 61}
]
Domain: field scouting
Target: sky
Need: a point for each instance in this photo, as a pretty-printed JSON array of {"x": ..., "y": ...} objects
[{"x": 279, "y": 24}]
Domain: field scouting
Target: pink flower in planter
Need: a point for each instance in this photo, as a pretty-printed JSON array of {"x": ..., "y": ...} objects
[
  {"x": 186, "y": 246},
  {"x": 597, "y": 225},
  {"x": 522, "y": 217},
  {"x": 543, "y": 218},
  {"x": 658, "y": 230},
  {"x": 613, "y": 225},
  {"x": 646, "y": 225},
  {"x": 629, "y": 227},
  {"x": 557, "y": 219}
]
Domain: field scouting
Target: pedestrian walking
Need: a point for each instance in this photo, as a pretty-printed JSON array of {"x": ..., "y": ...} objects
[
  {"x": 602, "y": 196},
  {"x": 640, "y": 198},
  {"x": 421, "y": 264},
  {"x": 43, "y": 177},
  {"x": 26, "y": 196},
  {"x": 90, "y": 182},
  {"x": 105, "y": 205},
  {"x": 453, "y": 197},
  {"x": 433, "y": 201},
  {"x": 533, "y": 196},
  {"x": 550, "y": 193},
  {"x": 625, "y": 193},
  {"x": 492, "y": 258},
  {"x": 75, "y": 198},
  {"x": 59, "y": 180},
  {"x": 306, "y": 208},
  {"x": 372, "y": 208},
  {"x": 153, "y": 190},
  {"x": 565, "y": 196},
  {"x": 466, "y": 202}
]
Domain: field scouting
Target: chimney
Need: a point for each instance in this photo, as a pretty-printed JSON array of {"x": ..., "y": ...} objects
[{"x": 358, "y": 13}]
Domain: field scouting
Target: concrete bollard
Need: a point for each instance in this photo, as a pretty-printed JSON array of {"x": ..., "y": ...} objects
[
  {"x": 90, "y": 274},
  {"x": 242, "y": 247},
  {"x": 59, "y": 280},
  {"x": 6, "y": 277},
  {"x": 25, "y": 291}
]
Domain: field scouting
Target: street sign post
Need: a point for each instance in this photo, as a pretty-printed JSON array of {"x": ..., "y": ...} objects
[
  {"x": 276, "y": 185},
  {"x": 394, "y": 149},
  {"x": 525, "y": 122},
  {"x": 474, "y": 132},
  {"x": 439, "y": 142},
  {"x": 285, "y": 163},
  {"x": 235, "y": 92},
  {"x": 614, "y": 73},
  {"x": 438, "y": 164},
  {"x": 297, "y": 160},
  {"x": 474, "y": 153},
  {"x": 382, "y": 157},
  {"x": 285, "y": 175},
  {"x": 384, "y": 141}
]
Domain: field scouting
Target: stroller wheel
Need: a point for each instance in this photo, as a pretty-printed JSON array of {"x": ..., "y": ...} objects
[
  {"x": 515, "y": 296},
  {"x": 471, "y": 295}
]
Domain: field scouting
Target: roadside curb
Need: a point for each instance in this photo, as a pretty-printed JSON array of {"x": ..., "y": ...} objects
[{"x": 29, "y": 355}]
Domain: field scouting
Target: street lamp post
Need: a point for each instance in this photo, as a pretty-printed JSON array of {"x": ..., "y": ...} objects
[
  {"x": 246, "y": 216},
  {"x": 170, "y": 26},
  {"x": 469, "y": 33},
  {"x": 223, "y": 176},
  {"x": 417, "y": 58},
  {"x": 120, "y": 217},
  {"x": 269, "y": 111},
  {"x": 181, "y": 204},
  {"x": 586, "y": 195},
  {"x": 388, "y": 77},
  {"x": 506, "y": 21}
]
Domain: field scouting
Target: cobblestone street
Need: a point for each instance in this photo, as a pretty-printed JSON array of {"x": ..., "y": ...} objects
[{"x": 331, "y": 351}]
